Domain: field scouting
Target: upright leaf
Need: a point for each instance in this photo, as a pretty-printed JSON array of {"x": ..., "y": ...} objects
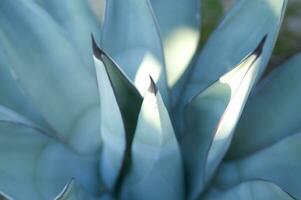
[
  {"x": 127, "y": 96},
  {"x": 279, "y": 163},
  {"x": 211, "y": 119},
  {"x": 179, "y": 23},
  {"x": 120, "y": 104},
  {"x": 242, "y": 28},
  {"x": 271, "y": 112},
  {"x": 156, "y": 168},
  {"x": 131, "y": 36},
  {"x": 111, "y": 127}
]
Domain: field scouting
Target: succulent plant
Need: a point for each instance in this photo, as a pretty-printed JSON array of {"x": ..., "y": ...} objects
[{"x": 143, "y": 112}]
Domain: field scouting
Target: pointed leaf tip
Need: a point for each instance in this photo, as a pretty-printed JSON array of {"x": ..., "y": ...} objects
[
  {"x": 152, "y": 87},
  {"x": 96, "y": 50},
  {"x": 260, "y": 46},
  {"x": 216, "y": 59}
]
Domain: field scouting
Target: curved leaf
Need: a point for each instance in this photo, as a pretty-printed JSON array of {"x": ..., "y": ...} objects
[
  {"x": 9, "y": 116},
  {"x": 271, "y": 112},
  {"x": 156, "y": 168},
  {"x": 13, "y": 97},
  {"x": 50, "y": 72},
  {"x": 127, "y": 96},
  {"x": 242, "y": 28},
  {"x": 111, "y": 128},
  {"x": 211, "y": 119},
  {"x": 279, "y": 163},
  {"x": 259, "y": 190},
  {"x": 29, "y": 164},
  {"x": 130, "y": 35},
  {"x": 121, "y": 102},
  {"x": 77, "y": 19},
  {"x": 180, "y": 33}
]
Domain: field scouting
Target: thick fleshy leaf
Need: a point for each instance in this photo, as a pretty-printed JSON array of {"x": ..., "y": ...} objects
[
  {"x": 9, "y": 116},
  {"x": 120, "y": 105},
  {"x": 237, "y": 35},
  {"x": 279, "y": 163},
  {"x": 29, "y": 164},
  {"x": 47, "y": 67},
  {"x": 156, "y": 168},
  {"x": 251, "y": 190},
  {"x": 127, "y": 96},
  {"x": 211, "y": 118},
  {"x": 130, "y": 35},
  {"x": 13, "y": 97},
  {"x": 271, "y": 113},
  {"x": 111, "y": 127},
  {"x": 179, "y": 23},
  {"x": 78, "y": 20},
  {"x": 73, "y": 191}
]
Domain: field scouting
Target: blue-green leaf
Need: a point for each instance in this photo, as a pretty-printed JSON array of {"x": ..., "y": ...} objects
[
  {"x": 237, "y": 35},
  {"x": 121, "y": 102},
  {"x": 271, "y": 113},
  {"x": 279, "y": 163},
  {"x": 13, "y": 97},
  {"x": 211, "y": 119},
  {"x": 9, "y": 116},
  {"x": 179, "y": 23},
  {"x": 73, "y": 191},
  {"x": 112, "y": 128},
  {"x": 251, "y": 190},
  {"x": 128, "y": 98},
  {"x": 29, "y": 164},
  {"x": 47, "y": 67},
  {"x": 156, "y": 168},
  {"x": 131, "y": 36},
  {"x": 78, "y": 20}
]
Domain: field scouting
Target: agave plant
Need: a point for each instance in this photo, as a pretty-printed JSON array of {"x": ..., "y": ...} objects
[{"x": 143, "y": 112}]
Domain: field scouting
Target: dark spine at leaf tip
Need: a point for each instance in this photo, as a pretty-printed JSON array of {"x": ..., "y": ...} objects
[
  {"x": 96, "y": 50},
  {"x": 260, "y": 46},
  {"x": 152, "y": 87}
]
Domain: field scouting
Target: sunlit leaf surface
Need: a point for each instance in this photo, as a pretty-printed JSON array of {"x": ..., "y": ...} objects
[
  {"x": 156, "y": 168},
  {"x": 131, "y": 36},
  {"x": 211, "y": 118},
  {"x": 272, "y": 112}
]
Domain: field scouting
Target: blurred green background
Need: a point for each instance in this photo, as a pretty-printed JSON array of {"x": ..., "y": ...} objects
[{"x": 288, "y": 43}]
